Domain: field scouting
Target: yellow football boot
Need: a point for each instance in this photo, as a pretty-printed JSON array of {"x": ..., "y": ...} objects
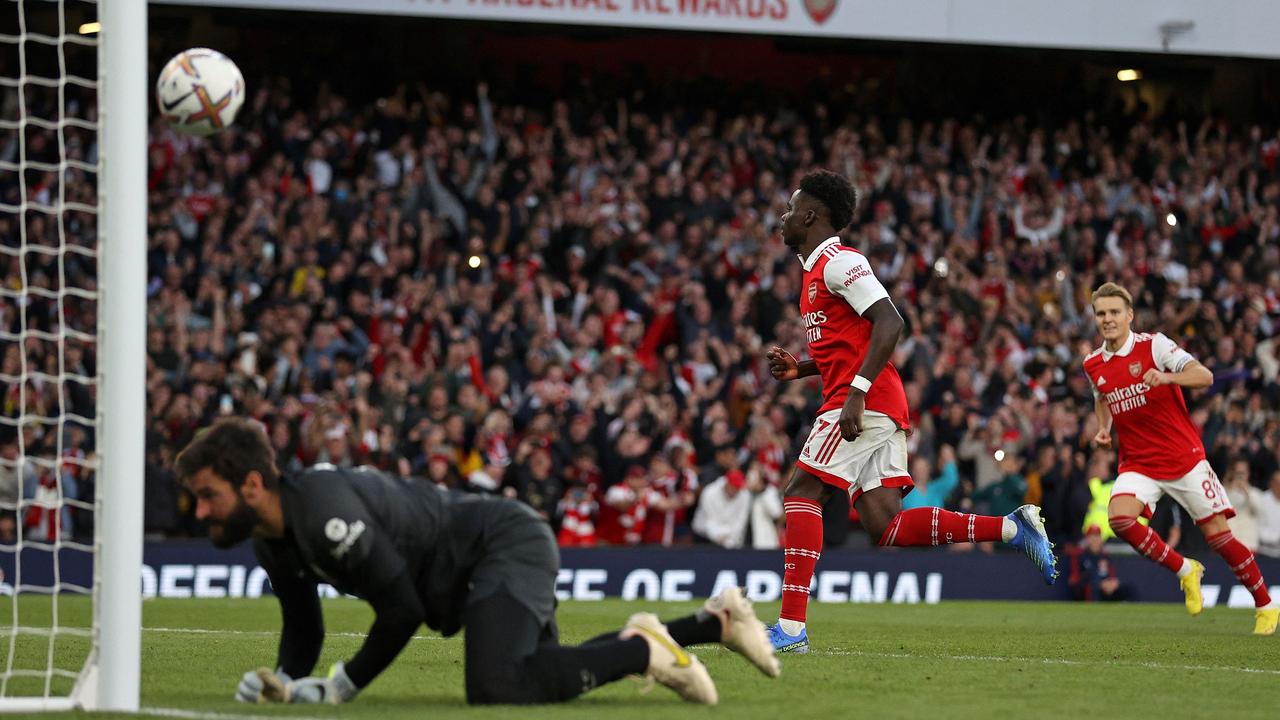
[{"x": 1191, "y": 588}]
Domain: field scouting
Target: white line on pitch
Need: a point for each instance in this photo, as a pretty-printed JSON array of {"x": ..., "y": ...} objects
[
  {"x": 200, "y": 715},
  {"x": 1047, "y": 661},
  {"x": 263, "y": 633}
]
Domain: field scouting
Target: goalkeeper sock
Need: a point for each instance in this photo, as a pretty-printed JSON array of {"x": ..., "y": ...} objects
[
  {"x": 698, "y": 629},
  {"x": 701, "y": 628},
  {"x": 571, "y": 671}
]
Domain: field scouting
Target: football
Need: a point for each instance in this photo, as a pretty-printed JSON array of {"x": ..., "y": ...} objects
[{"x": 199, "y": 91}]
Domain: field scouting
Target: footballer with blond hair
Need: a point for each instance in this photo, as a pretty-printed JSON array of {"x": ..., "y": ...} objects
[{"x": 1137, "y": 380}]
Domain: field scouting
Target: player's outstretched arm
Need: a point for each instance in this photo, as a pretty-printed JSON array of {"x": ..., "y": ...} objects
[
  {"x": 1192, "y": 375},
  {"x": 398, "y": 613},
  {"x": 1175, "y": 366},
  {"x": 301, "y": 633}
]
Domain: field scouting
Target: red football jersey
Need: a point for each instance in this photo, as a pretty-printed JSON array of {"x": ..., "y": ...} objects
[
  {"x": 838, "y": 287},
  {"x": 660, "y": 527},
  {"x": 624, "y": 527},
  {"x": 1150, "y": 425}
]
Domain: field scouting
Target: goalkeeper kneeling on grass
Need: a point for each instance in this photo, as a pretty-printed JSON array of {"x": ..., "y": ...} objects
[{"x": 419, "y": 554}]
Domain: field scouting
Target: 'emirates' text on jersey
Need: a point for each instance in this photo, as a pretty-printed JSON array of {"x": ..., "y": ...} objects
[
  {"x": 1152, "y": 427},
  {"x": 838, "y": 287}
]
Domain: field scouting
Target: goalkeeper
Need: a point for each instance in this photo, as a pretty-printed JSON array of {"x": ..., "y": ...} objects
[{"x": 419, "y": 554}]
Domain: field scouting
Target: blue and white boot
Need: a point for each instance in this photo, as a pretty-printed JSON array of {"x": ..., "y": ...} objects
[
  {"x": 1034, "y": 541},
  {"x": 782, "y": 642}
]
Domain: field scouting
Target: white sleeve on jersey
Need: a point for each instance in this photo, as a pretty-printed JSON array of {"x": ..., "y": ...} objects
[
  {"x": 1167, "y": 355},
  {"x": 849, "y": 275}
]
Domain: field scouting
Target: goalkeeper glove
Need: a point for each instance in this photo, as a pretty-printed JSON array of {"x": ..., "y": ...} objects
[
  {"x": 335, "y": 689},
  {"x": 252, "y": 685}
]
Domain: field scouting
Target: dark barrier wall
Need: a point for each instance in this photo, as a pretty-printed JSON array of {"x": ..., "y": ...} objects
[{"x": 193, "y": 569}]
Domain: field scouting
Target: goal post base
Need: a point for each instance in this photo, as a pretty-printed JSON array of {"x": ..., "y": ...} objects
[
  {"x": 35, "y": 704},
  {"x": 84, "y": 695}
]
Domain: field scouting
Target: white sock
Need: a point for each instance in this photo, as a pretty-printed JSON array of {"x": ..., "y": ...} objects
[
  {"x": 790, "y": 627},
  {"x": 1008, "y": 529},
  {"x": 1185, "y": 570}
]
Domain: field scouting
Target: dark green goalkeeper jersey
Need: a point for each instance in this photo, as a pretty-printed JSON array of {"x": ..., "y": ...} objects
[{"x": 418, "y": 554}]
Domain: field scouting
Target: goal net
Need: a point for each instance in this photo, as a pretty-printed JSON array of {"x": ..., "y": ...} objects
[{"x": 70, "y": 500}]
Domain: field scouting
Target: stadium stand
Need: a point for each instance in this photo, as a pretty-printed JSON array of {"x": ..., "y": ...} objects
[{"x": 536, "y": 299}]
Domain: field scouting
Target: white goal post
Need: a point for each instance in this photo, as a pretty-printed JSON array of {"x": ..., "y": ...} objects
[
  {"x": 82, "y": 207},
  {"x": 122, "y": 383}
]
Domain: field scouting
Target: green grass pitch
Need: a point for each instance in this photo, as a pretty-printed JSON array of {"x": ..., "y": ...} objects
[{"x": 952, "y": 660}]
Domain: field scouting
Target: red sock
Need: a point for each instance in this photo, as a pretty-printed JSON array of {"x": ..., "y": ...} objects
[
  {"x": 804, "y": 547},
  {"x": 1146, "y": 541},
  {"x": 935, "y": 526},
  {"x": 1242, "y": 564}
]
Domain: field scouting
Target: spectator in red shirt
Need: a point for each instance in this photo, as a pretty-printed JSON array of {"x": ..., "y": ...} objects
[{"x": 625, "y": 509}]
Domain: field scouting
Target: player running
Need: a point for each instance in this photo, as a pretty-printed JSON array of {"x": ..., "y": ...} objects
[
  {"x": 419, "y": 554},
  {"x": 859, "y": 442},
  {"x": 1135, "y": 379}
]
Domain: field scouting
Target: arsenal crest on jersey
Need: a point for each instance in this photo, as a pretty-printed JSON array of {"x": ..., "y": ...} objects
[
  {"x": 820, "y": 10},
  {"x": 813, "y": 291},
  {"x": 1135, "y": 369}
]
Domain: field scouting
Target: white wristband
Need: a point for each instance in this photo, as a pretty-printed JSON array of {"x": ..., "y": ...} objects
[{"x": 861, "y": 383}]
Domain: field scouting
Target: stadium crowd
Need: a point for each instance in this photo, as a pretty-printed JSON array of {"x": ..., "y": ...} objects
[{"x": 568, "y": 302}]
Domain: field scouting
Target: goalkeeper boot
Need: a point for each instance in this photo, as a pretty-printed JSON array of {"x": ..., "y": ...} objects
[
  {"x": 671, "y": 664},
  {"x": 743, "y": 632}
]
